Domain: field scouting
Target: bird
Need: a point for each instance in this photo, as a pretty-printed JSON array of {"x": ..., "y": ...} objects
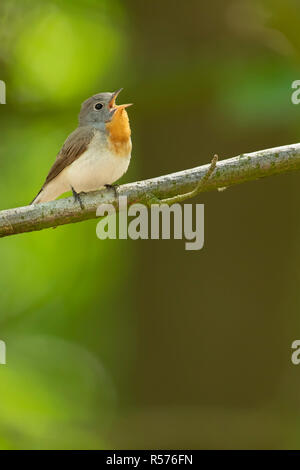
[{"x": 95, "y": 155}]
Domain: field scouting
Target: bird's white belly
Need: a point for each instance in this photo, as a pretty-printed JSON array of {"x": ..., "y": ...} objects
[{"x": 95, "y": 168}]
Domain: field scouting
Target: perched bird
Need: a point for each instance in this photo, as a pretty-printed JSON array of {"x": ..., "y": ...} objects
[{"x": 96, "y": 154}]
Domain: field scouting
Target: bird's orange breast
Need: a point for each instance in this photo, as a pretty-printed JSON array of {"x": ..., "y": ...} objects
[{"x": 119, "y": 133}]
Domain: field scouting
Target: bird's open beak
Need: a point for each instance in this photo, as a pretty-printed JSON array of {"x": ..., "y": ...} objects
[{"x": 112, "y": 104}]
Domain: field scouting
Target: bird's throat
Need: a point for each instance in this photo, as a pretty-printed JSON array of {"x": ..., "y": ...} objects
[{"x": 119, "y": 133}]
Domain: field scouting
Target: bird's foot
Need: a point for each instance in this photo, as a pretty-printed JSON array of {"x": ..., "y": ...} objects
[
  {"x": 77, "y": 198},
  {"x": 115, "y": 188}
]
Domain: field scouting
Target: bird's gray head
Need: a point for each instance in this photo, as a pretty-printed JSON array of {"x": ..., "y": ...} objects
[{"x": 99, "y": 109}]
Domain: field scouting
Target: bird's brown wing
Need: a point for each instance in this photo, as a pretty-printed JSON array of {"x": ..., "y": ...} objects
[{"x": 75, "y": 145}]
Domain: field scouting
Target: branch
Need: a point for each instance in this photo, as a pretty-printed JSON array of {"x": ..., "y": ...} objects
[{"x": 164, "y": 189}]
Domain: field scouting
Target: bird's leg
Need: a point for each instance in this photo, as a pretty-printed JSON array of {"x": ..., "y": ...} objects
[
  {"x": 115, "y": 187},
  {"x": 77, "y": 198}
]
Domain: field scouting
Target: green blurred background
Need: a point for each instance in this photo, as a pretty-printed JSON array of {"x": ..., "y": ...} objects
[{"x": 141, "y": 344}]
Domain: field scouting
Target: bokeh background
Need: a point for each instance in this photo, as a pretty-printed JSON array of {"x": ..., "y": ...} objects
[{"x": 141, "y": 344}]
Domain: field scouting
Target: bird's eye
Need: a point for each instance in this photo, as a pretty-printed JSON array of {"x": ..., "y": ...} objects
[{"x": 98, "y": 106}]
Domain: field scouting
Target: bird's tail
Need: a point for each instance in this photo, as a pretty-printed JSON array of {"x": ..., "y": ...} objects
[
  {"x": 52, "y": 190},
  {"x": 37, "y": 198},
  {"x": 46, "y": 194}
]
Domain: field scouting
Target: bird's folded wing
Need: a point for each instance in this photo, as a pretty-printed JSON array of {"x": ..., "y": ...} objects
[{"x": 75, "y": 145}]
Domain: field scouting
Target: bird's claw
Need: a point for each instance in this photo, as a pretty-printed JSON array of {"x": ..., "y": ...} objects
[
  {"x": 77, "y": 198},
  {"x": 115, "y": 188}
]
